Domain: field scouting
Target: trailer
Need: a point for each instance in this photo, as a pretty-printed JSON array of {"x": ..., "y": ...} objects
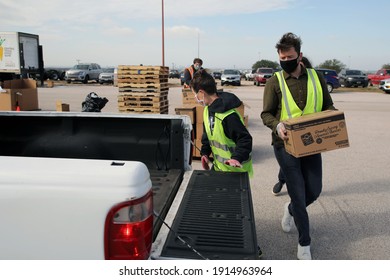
[{"x": 21, "y": 56}]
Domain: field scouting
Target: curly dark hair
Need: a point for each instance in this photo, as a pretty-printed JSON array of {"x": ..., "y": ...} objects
[
  {"x": 203, "y": 81},
  {"x": 289, "y": 40},
  {"x": 198, "y": 60}
]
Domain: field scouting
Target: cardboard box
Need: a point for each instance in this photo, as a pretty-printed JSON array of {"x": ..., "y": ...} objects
[
  {"x": 199, "y": 113},
  {"x": 49, "y": 83},
  {"x": 200, "y": 108},
  {"x": 316, "y": 133},
  {"x": 198, "y": 131},
  {"x": 22, "y": 92},
  {"x": 62, "y": 107},
  {"x": 188, "y": 97},
  {"x": 246, "y": 120},
  {"x": 241, "y": 109},
  {"x": 188, "y": 110}
]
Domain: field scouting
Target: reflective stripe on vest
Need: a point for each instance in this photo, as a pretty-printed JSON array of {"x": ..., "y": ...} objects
[
  {"x": 314, "y": 96},
  {"x": 191, "y": 70},
  {"x": 223, "y": 147}
]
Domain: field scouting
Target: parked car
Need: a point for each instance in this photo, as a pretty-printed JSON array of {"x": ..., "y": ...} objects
[
  {"x": 83, "y": 72},
  {"x": 331, "y": 78},
  {"x": 115, "y": 77},
  {"x": 231, "y": 77},
  {"x": 250, "y": 75},
  {"x": 182, "y": 78},
  {"x": 107, "y": 76},
  {"x": 385, "y": 85},
  {"x": 353, "y": 78},
  {"x": 217, "y": 75},
  {"x": 261, "y": 75},
  {"x": 174, "y": 74}
]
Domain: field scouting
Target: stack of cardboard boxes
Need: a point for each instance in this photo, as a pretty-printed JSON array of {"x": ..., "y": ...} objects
[
  {"x": 20, "y": 94},
  {"x": 195, "y": 112},
  {"x": 143, "y": 89}
]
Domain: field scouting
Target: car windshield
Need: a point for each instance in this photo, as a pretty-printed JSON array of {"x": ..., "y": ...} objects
[
  {"x": 108, "y": 70},
  {"x": 81, "y": 67},
  {"x": 353, "y": 72},
  {"x": 231, "y": 72},
  {"x": 266, "y": 71}
]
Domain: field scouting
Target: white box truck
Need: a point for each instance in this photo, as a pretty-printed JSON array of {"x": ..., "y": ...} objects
[{"x": 20, "y": 55}]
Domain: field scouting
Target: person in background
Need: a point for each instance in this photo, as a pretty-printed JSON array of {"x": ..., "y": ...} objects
[
  {"x": 190, "y": 71},
  {"x": 290, "y": 93},
  {"x": 225, "y": 136},
  {"x": 281, "y": 180}
]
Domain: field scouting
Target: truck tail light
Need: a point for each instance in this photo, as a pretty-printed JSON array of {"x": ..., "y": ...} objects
[{"x": 129, "y": 229}]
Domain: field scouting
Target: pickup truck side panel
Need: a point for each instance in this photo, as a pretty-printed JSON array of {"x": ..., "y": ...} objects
[
  {"x": 62, "y": 172},
  {"x": 382, "y": 74},
  {"x": 56, "y": 208}
]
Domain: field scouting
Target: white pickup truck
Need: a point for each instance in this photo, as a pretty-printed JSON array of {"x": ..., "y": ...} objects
[{"x": 115, "y": 186}]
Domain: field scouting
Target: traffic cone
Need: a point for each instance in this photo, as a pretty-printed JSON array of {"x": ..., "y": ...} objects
[{"x": 17, "y": 107}]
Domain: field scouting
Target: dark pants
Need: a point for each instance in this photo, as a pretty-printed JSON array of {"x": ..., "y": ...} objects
[
  {"x": 281, "y": 177},
  {"x": 304, "y": 185}
]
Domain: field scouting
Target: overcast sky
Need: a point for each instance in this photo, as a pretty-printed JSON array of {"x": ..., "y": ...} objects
[{"x": 224, "y": 33}]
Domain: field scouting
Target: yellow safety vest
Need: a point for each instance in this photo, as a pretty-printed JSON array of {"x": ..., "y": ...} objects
[
  {"x": 223, "y": 147},
  {"x": 314, "y": 96}
]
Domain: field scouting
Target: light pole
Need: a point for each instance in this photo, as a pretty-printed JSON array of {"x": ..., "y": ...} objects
[
  {"x": 162, "y": 31},
  {"x": 198, "y": 44}
]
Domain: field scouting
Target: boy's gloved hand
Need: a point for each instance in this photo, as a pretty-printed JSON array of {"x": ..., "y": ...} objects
[
  {"x": 233, "y": 162},
  {"x": 205, "y": 162}
]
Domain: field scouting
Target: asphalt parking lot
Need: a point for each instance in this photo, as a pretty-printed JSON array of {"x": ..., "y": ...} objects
[{"x": 350, "y": 220}]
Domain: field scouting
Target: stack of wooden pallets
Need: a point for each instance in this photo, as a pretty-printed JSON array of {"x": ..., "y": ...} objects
[{"x": 143, "y": 89}]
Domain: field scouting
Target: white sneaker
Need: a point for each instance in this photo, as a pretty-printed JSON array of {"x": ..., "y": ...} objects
[
  {"x": 287, "y": 220},
  {"x": 303, "y": 252}
]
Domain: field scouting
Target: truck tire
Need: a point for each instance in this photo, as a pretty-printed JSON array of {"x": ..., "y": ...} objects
[
  {"x": 54, "y": 76},
  {"x": 85, "y": 81}
]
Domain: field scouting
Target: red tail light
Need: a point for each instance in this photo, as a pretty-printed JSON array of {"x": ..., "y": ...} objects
[{"x": 129, "y": 229}]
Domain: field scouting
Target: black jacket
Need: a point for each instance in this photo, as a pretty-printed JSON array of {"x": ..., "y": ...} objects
[{"x": 232, "y": 126}]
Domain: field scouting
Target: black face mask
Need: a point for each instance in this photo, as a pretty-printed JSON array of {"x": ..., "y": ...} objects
[{"x": 289, "y": 65}]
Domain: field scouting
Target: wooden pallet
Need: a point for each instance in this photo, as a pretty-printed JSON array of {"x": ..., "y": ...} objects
[
  {"x": 139, "y": 98},
  {"x": 147, "y": 86},
  {"x": 143, "y": 79},
  {"x": 127, "y": 95},
  {"x": 142, "y": 70},
  {"x": 143, "y": 104},
  {"x": 163, "y": 110},
  {"x": 143, "y": 90}
]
